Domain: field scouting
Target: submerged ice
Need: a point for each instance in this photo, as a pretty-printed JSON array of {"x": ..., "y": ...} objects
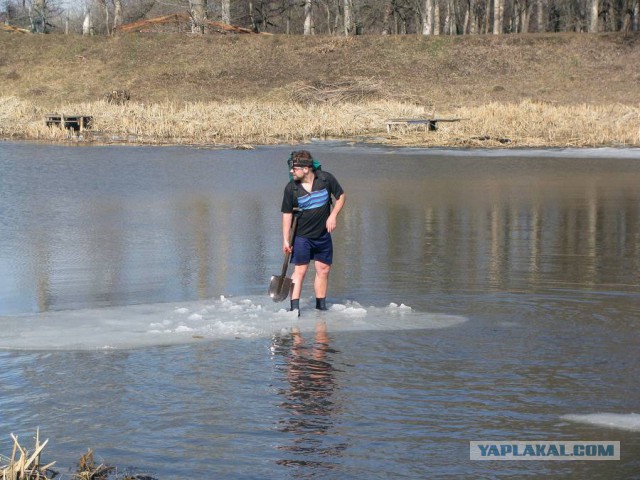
[
  {"x": 622, "y": 421},
  {"x": 137, "y": 326}
]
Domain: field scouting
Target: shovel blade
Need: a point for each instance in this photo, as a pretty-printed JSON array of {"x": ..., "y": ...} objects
[{"x": 279, "y": 288}]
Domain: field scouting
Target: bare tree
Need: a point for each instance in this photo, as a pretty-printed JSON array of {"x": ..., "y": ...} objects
[
  {"x": 308, "y": 18},
  {"x": 117, "y": 13},
  {"x": 498, "y": 16},
  {"x": 38, "y": 14},
  {"x": 540, "y": 22},
  {"x": 198, "y": 11},
  {"x": 427, "y": 18},
  {"x": 348, "y": 20},
  {"x": 87, "y": 24},
  {"x": 593, "y": 17},
  {"x": 225, "y": 11}
]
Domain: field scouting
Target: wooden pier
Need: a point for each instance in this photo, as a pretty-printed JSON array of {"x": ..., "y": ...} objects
[
  {"x": 430, "y": 124},
  {"x": 73, "y": 122}
]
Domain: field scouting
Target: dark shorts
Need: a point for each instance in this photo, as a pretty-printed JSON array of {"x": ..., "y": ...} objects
[{"x": 305, "y": 250}]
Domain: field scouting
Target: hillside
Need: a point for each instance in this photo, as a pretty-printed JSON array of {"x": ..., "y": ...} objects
[
  {"x": 439, "y": 71},
  {"x": 514, "y": 90}
]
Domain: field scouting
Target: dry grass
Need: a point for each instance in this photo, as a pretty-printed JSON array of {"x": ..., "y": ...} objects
[
  {"x": 25, "y": 465},
  {"x": 525, "y": 124},
  {"x": 334, "y": 93},
  {"x": 513, "y": 90},
  {"x": 88, "y": 470}
]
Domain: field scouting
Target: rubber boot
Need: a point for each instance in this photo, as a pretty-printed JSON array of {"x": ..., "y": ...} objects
[
  {"x": 295, "y": 305},
  {"x": 321, "y": 304}
]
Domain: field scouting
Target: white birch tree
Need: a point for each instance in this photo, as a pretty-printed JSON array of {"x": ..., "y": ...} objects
[
  {"x": 593, "y": 16},
  {"x": 427, "y": 18},
  {"x": 117, "y": 13},
  {"x": 87, "y": 24},
  {"x": 498, "y": 16},
  {"x": 225, "y": 11},
  {"x": 348, "y": 21},
  {"x": 540, "y": 22},
  {"x": 198, "y": 11},
  {"x": 308, "y": 19}
]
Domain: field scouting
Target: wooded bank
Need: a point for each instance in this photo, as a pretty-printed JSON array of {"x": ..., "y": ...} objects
[{"x": 573, "y": 89}]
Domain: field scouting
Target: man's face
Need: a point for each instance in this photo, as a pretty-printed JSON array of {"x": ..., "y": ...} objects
[{"x": 299, "y": 172}]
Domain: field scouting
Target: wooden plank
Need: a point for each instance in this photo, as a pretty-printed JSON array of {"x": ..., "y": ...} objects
[
  {"x": 431, "y": 123},
  {"x": 74, "y": 122}
]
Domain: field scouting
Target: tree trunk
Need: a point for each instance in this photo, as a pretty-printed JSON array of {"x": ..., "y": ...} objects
[
  {"x": 636, "y": 15},
  {"x": 540, "y": 22},
  {"x": 308, "y": 21},
  {"x": 498, "y": 16},
  {"x": 427, "y": 20},
  {"x": 593, "y": 24},
  {"x": 87, "y": 25},
  {"x": 449, "y": 18},
  {"x": 198, "y": 15},
  {"x": 473, "y": 18},
  {"x": 436, "y": 17},
  {"x": 225, "y": 11},
  {"x": 467, "y": 17},
  {"x": 117, "y": 13},
  {"x": 252, "y": 18},
  {"x": 347, "y": 17},
  {"x": 388, "y": 8},
  {"x": 106, "y": 15},
  {"x": 39, "y": 18},
  {"x": 523, "y": 16}
]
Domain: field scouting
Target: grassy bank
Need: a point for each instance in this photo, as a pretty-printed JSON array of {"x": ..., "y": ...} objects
[
  {"x": 531, "y": 90},
  {"x": 248, "y": 122}
]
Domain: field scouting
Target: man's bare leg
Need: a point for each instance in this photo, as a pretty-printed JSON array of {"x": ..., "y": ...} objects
[{"x": 320, "y": 284}]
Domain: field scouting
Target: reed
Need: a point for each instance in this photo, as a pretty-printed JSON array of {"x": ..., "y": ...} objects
[
  {"x": 524, "y": 124},
  {"x": 25, "y": 465}
]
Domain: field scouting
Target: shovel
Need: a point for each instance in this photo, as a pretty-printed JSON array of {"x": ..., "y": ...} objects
[{"x": 280, "y": 286}]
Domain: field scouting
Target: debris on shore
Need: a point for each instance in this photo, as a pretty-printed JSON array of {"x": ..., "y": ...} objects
[{"x": 26, "y": 465}]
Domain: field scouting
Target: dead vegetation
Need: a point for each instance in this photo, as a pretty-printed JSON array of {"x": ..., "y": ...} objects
[
  {"x": 524, "y": 124},
  {"x": 178, "y": 22},
  {"x": 88, "y": 470},
  {"x": 332, "y": 93},
  {"x": 25, "y": 465},
  {"x": 513, "y": 91}
]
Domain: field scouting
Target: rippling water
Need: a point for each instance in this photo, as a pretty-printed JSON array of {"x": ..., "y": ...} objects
[{"x": 476, "y": 296}]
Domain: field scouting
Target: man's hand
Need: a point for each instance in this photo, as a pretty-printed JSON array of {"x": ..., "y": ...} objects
[{"x": 332, "y": 223}]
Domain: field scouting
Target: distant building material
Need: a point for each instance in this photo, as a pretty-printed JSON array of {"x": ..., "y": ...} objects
[
  {"x": 74, "y": 122},
  {"x": 430, "y": 123}
]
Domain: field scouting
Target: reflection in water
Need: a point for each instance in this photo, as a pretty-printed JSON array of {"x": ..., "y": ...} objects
[{"x": 308, "y": 399}]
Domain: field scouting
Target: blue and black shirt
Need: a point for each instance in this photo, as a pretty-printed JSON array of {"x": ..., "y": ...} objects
[{"x": 315, "y": 206}]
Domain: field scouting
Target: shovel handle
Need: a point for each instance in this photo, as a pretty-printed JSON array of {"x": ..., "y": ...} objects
[{"x": 292, "y": 233}]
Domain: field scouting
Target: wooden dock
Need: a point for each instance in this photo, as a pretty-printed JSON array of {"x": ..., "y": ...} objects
[
  {"x": 430, "y": 124},
  {"x": 73, "y": 122}
]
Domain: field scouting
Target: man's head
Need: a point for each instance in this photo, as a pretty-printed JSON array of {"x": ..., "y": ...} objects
[
  {"x": 300, "y": 158},
  {"x": 300, "y": 163}
]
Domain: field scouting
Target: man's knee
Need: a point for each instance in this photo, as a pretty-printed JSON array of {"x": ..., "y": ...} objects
[
  {"x": 299, "y": 272},
  {"x": 322, "y": 269}
]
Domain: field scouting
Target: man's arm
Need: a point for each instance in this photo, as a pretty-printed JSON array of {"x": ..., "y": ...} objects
[
  {"x": 287, "y": 219},
  {"x": 332, "y": 221}
]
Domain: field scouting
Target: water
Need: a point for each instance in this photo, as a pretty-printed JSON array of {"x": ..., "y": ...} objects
[{"x": 476, "y": 295}]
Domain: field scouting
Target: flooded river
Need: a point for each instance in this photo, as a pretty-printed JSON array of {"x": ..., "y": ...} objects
[{"x": 476, "y": 296}]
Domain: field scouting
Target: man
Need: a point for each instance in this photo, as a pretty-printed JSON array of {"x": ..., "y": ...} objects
[{"x": 310, "y": 191}]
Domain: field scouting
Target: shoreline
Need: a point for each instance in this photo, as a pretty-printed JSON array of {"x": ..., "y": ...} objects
[{"x": 244, "y": 124}]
